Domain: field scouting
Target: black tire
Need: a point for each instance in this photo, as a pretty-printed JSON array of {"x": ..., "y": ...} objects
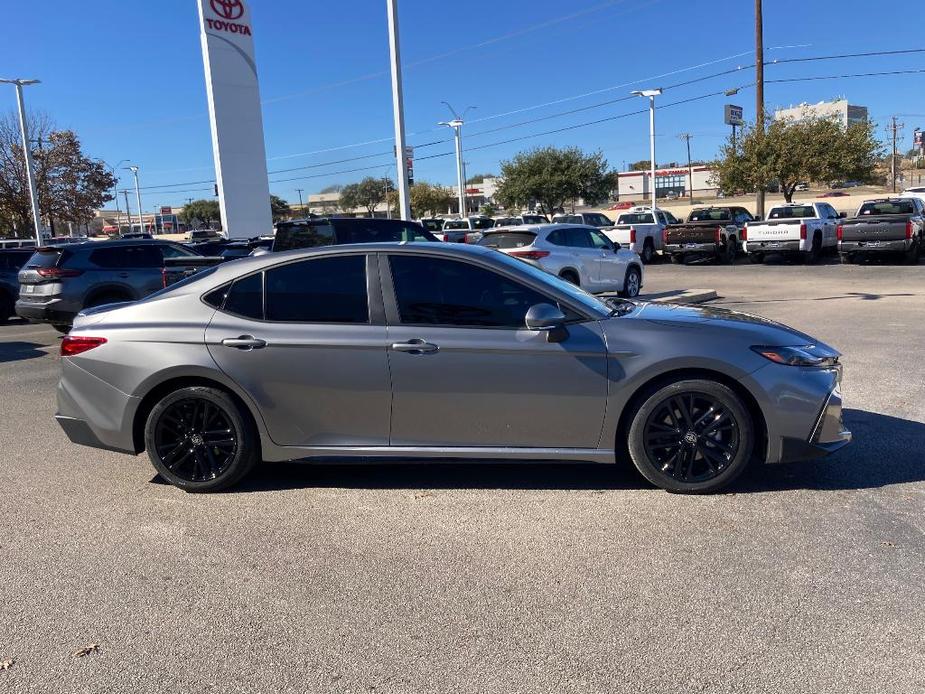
[
  {"x": 193, "y": 457},
  {"x": 571, "y": 277},
  {"x": 6, "y": 307},
  {"x": 911, "y": 256},
  {"x": 756, "y": 258},
  {"x": 729, "y": 252},
  {"x": 815, "y": 252},
  {"x": 62, "y": 328},
  {"x": 845, "y": 258},
  {"x": 712, "y": 450},
  {"x": 632, "y": 283},
  {"x": 676, "y": 258},
  {"x": 648, "y": 252}
]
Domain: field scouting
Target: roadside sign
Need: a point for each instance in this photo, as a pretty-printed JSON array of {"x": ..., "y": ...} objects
[
  {"x": 409, "y": 160},
  {"x": 920, "y": 140},
  {"x": 166, "y": 210},
  {"x": 733, "y": 115}
]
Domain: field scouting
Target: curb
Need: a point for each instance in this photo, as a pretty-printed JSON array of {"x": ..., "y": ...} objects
[{"x": 685, "y": 296}]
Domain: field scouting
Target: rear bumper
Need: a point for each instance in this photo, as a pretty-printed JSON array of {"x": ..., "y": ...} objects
[
  {"x": 44, "y": 312},
  {"x": 695, "y": 248},
  {"x": 875, "y": 246},
  {"x": 773, "y": 246}
]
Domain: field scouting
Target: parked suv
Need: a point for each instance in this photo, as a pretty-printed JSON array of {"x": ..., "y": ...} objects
[
  {"x": 11, "y": 260},
  {"x": 591, "y": 219},
  {"x": 578, "y": 254},
  {"x": 56, "y": 283}
]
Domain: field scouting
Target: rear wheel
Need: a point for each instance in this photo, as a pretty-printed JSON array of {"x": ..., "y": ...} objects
[
  {"x": 677, "y": 258},
  {"x": 691, "y": 436},
  {"x": 913, "y": 254},
  {"x": 571, "y": 277},
  {"x": 648, "y": 252},
  {"x": 815, "y": 253},
  {"x": 756, "y": 258},
  {"x": 6, "y": 308},
  {"x": 845, "y": 258},
  {"x": 200, "y": 440},
  {"x": 632, "y": 283},
  {"x": 62, "y": 328},
  {"x": 730, "y": 251}
]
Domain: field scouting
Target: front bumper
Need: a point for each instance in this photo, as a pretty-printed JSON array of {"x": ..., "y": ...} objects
[
  {"x": 773, "y": 246},
  {"x": 829, "y": 435},
  {"x": 692, "y": 248},
  {"x": 897, "y": 246}
]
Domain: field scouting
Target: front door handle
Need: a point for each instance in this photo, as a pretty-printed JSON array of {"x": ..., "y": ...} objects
[
  {"x": 416, "y": 346},
  {"x": 245, "y": 342}
]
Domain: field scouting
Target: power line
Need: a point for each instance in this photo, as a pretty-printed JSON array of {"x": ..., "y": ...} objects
[{"x": 838, "y": 77}]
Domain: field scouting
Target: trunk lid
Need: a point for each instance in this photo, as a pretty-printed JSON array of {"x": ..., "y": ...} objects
[
  {"x": 692, "y": 232},
  {"x": 879, "y": 228},
  {"x": 778, "y": 230}
]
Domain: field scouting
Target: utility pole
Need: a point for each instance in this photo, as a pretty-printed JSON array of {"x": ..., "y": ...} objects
[
  {"x": 690, "y": 169},
  {"x": 141, "y": 220},
  {"x": 398, "y": 107},
  {"x": 301, "y": 206},
  {"x": 128, "y": 214},
  {"x": 759, "y": 91},
  {"x": 894, "y": 129},
  {"x": 27, "y": 154}
]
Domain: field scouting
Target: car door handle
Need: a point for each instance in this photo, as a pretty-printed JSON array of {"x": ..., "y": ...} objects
[
  {"x": 245, "y": 342},
  {"x": 416, "y": 346},
  {"x": 123, "y": 275}
]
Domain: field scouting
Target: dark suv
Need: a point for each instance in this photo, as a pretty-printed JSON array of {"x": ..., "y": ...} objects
[
  {"x": 11, "y": 260},
  {"x": 57, "y": 283},
  {"x": 307, "y": 233}
]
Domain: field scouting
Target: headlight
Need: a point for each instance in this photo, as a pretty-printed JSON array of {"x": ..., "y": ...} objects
[{"x": 807, "y": 355}]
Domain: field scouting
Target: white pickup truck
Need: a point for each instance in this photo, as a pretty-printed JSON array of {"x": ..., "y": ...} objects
[
  {"x": 637, "y": 230},
  {"x": 804, "y": 230}
]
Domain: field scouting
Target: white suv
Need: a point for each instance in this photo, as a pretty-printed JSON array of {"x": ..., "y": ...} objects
[{"x": 579, "y": 254}]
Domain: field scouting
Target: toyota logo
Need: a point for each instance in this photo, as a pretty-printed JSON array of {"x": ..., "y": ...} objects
[{"x": 229, "y": 9}]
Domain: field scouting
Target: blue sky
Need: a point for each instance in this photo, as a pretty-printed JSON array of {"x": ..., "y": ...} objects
[{"x": 128, "y": 77}]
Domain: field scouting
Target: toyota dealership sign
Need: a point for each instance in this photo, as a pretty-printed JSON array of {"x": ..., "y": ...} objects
[{"x": 236, "y": 118}]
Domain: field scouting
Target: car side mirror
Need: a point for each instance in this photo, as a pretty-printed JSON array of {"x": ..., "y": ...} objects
[
  {"x": 843, "y": 215},
  {"x": 544, "y": 317},
  {"x": 616, "y": 246},
  {"x": 756, "y": 218}
]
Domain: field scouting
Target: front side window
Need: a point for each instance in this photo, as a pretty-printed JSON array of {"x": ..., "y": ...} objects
[
  {"x": 599, "y": 240},
  {"x": 432, "y": 291},
  {"x": 323, "y": 290},
  {"x": 169, "y": 251}
]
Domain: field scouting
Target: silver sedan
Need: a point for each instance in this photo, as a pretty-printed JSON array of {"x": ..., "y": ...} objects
[{"x": 343, "y": 352}]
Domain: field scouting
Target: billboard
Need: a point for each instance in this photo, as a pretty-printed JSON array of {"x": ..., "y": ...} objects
[
  {"x": 919, "y": 141},
  {"x": 235, "y": 117},
  {"x": 733, "y": 115}
]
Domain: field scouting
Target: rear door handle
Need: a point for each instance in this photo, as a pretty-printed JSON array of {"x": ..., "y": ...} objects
[
  {"x": 245, "y": 342},
  {"x": 415, "y": 346}
]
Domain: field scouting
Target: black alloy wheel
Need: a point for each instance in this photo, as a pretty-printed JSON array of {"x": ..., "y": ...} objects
[
  {"x": 201, "y": 440},
  {"x": 692, "y": 436}
]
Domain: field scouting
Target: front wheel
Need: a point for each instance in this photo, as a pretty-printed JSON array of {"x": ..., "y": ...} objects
[
  {"x": 692, "y": 437},
  {"x": 200, "y": 440},
  {"x": 632, "y": 283}
]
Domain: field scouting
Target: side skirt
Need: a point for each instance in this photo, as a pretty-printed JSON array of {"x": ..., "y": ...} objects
[{"x": 438, "y": 454}]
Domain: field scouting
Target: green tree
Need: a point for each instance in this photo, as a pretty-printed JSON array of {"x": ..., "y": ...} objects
[
  {"x": 788, "y": 152},
  {"x": 368, "y": 193},
  {"x": 488, "y": 210},
  {"x": 641, "y": 165},
  {"x": 553, "y": 177},
  {"x": 479, "y": 178},
  {"x": 201, "y": 212},
  {"x": 71, "y": 186},
  {"x": 428, "y": 199},
  {"x": 279, "y": 208},
  {"x": 333, "y": 188}
]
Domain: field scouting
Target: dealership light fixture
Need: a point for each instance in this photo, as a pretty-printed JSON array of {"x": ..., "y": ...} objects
[
  {"x": 650, "y": 94},
  {"x": 27, "y": 151}
]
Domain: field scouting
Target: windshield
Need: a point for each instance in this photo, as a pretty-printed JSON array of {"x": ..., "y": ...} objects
[
  {"x": 635, "y": 218},
  {"x": 580, "y": 296},
  {"x": 887, "y": 207},
  {"x": 719, "y": 215},
  {"x": 792, "y": 212}
]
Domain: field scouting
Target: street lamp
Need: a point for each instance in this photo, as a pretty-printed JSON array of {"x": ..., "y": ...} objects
[
  {"x": 141, "y": 220},
  {"x": 457, "y": 124},
  {"x": 650, "y": 94},
  {"x": 27, "y": 152}
]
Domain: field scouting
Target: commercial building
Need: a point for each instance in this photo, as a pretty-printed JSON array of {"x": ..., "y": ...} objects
[
  {"x": 637, "y": 185},
  {"x": 845, "y": 113}
]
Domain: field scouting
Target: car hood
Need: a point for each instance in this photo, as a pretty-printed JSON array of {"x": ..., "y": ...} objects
[{"x": 755, "y": 329}]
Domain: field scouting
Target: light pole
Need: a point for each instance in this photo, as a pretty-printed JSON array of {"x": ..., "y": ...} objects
[
  {"x": 301, "y": 206},
  {"x": 651, "y": 94},
  {"x": 457, "y": 124},
  {"x": 398, "y": 107},
  {"x": 27, "y": 153},
  {"x": 141, "y": 220}
]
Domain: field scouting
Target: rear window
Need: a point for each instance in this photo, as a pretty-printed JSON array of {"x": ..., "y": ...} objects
[
  {"x": 887, "y": 207},
  {"x": 483, "y": 223},
  {"x": 508, "y": 239},
  {"x": 533, "y": 219},
  {"x": 635, "y": 218},
  {"x": 433, "y": 224},
  {"x": 794, "y": 212},
  {"x": 456, "y": 224},
  {"x": 721, "y": 215},
  {"x": 292, "y": 236},
  {"x": 379, "y": 231},
  {"x": 48, "y": 257}
]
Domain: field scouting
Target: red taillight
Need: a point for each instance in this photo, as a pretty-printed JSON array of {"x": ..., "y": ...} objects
[
  {"x": 446, "y": 237},
  {"x": 839, "y": 232},
  {"x": 529, "y": 255},
  {"x": 744, "y": 234},
  {"x": 802, "y": 232},
  {"x": 908, "y": 231},
  {"x": 164, "y": 277},
  {"x": 632, "y": 234},
  {"x": 72, "y": 346},
  {"x": 718, "y": 235},
  {"x": 57, "y": 272},
  {"x": 664, "y": 236}
]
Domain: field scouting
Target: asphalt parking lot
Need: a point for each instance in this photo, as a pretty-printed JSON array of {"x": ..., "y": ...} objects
[{"x": 475, "y": 578}]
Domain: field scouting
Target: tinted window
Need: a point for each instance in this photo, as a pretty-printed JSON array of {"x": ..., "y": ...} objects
[
  {"x": 432, "y": 291},
  {"x": 49, "y": 257},
  {"x": 13, "y": 261},
  {"x": 433, "y": 224},
  {"x": 176, "y": 252},
  {"x": 557, "y": 237},
  {"x": 508, "y": 239},
  {"x": 794, "y": 212},
  {"x": 455, "y": 224},
  {"x": 578, "y": 238},
  {"x": 887, "y": 207},
  {"x": 533, "y": 219},
  {"x": 246, "y": 297},
  {"x": 326, "y": 290},
  {"x": 378, "y": 231},
  {"x": 480, "y": 223},
  {"x": 119, "y": 257},
  {"x": 635, "y": 218},
  {"x": 719, "y": 215},
  {"x": 291, "y": 236}
]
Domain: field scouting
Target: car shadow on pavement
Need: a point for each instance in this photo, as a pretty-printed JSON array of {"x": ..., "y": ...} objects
[
  {"x": 886, "y": 450},
  {"x": 20, "y": 351}
]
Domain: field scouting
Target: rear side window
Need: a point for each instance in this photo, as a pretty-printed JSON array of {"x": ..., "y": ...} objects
[
  {"x": 13, "y": 261},
  {"x": 508, "y": 239},
  {"x": 127, "y": 257},
  {"x": 378, "y": 231},
  {"x": 887, "y": 207},
  {"x": 292, "y": 236},
  {"x": 245, "y": 298},
  {"x": 324, "y": 290}
]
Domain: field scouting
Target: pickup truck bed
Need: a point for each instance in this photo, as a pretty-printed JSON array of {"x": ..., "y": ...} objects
[
  {"x": 693, "y": 239},
  {"x": 868, "y": 234}
]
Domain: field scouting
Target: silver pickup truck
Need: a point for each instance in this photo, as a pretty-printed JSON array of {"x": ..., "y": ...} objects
[
  {"x": 885, "y": 226},
  {"x": 800, "y": 230}
]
